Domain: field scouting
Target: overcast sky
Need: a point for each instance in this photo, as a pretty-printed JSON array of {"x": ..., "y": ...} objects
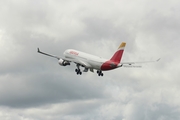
[{"x": 35, "y": 87}]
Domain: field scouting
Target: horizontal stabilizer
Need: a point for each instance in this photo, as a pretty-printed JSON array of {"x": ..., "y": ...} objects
[
  {"x": 130, "y": 63},
  {"x": 132, "y": 66}
]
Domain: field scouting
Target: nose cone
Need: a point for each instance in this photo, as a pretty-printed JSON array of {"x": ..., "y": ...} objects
[{"x": 66, "y": 52}]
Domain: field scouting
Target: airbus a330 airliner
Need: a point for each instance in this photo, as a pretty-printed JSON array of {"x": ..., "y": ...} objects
[{"x": 91, "y": 62}]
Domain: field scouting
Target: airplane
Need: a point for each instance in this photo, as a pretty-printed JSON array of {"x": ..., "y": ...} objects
[{"x": 91, "y": 62}]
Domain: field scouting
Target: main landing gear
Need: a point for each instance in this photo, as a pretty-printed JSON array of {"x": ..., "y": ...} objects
[
  {"x": 78, "y": 71},
  {"x": 99, "y": 72}
]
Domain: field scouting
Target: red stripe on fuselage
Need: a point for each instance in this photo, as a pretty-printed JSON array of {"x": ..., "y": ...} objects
[{"x": 109, "y": 65}]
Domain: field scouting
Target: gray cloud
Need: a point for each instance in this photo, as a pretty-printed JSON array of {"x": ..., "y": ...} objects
[
  {"x": 35, "y": 87},
  {"x": 27, "y": 90}
]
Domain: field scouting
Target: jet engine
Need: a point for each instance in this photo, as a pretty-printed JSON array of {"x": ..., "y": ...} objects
[{"x": 63, "y": 62}]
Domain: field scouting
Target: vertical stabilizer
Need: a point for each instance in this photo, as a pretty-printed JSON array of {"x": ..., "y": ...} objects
[{"x": 118, "y": 54}]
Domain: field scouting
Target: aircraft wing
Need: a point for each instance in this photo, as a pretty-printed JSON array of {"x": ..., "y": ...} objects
[
  {"x": 131, "y": 64},
  {"x": 38, "y": 50}
]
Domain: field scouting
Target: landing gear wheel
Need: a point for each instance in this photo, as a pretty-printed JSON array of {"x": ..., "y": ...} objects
[
  {"x": 78, "y": 71},
  {"x": 100, "y": 73}
]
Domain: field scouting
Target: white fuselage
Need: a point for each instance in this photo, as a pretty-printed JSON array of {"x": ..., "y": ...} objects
[{"x": 91, "y": 61}]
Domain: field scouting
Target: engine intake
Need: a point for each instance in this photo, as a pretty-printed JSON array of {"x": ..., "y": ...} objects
[{"x": 63, "y": 62}]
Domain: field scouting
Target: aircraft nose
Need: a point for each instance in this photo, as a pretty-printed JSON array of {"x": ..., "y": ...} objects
[{"x": 66, "y": 52}]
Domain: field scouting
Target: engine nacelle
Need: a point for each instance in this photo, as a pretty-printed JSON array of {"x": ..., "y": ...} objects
[{"x": 63, "y": 62}]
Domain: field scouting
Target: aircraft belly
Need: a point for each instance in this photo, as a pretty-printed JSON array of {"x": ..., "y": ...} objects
[{"x": 96, "y": 65}]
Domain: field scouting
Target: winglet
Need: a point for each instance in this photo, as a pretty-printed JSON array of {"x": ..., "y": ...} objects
[
  {"x": 123, "y": 44},
  {"x": 38, "y": 50},
  {"x": 158, "y": 59}
]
